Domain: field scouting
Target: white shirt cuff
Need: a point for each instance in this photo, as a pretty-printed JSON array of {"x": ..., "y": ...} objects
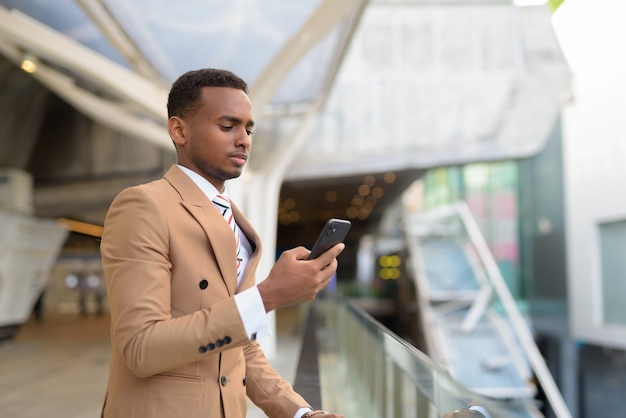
[
  {"x": 301, "y": 412},
  {"x": 252, "y": 312}
]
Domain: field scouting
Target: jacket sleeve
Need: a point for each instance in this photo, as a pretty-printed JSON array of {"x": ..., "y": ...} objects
[
  {"x": 267, "y": 389},
  {"x": 136, "y": 260}
]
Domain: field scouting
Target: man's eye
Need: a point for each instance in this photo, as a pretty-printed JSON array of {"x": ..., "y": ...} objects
[
  {"x": 250, "y": 133},
  {"x": 226, "y": 127}
]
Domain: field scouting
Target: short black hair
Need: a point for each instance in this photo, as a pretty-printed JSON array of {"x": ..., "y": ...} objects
[{"x": 186, "y": 92}]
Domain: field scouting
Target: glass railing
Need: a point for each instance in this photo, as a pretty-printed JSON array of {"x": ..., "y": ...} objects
[{"x": 368, "y": 371}]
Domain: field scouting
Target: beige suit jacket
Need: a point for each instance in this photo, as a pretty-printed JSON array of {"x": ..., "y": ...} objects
[{"x": 180, "y": 348}]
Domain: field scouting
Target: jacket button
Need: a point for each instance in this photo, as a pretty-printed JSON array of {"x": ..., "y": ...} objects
[
  {"x": 244, "y": 381},
  {"x": 227, "y": 340},
  {"x": 210, "y": 346},
  {"x": 203, "y": 284},
  {"x": 223, "y": 381},
  {"x": 219, "y": 343},
  {"x": 202, "y": 349}
]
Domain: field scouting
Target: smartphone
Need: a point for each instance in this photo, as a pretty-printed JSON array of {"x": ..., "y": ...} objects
[{"x": 334, "y": 232}]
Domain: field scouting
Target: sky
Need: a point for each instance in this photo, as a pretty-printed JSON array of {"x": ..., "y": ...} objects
[{"x": 592, "y": 34}]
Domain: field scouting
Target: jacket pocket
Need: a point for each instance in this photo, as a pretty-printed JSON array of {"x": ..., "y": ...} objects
[{"x": 172, "y": 395}]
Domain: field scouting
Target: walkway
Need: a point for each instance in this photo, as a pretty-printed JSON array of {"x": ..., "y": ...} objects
[{"x": 58, "y": 368}]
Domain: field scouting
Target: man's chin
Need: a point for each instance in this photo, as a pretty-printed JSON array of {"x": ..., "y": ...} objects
[{"x": 233, "y": 174}]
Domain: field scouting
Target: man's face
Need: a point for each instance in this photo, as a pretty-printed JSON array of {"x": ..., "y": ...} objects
[{"x": 216, "y": 138}]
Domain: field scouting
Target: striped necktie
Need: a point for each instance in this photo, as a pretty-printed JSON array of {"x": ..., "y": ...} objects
[{"x": 223, "y": 205}]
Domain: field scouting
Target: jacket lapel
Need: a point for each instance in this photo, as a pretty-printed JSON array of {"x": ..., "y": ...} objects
[{"x": 208, "y": 217}]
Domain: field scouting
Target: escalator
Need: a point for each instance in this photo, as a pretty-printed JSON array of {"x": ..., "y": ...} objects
[{"x": 471, "y": 324}]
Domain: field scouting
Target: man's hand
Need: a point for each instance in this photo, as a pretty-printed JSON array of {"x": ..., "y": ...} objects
[
  {"x": 463, "y": 413},
  {"x": 474, "y": 411},
  {"x": 294, "y": 279},
  {"x": 321, "y": 414}
]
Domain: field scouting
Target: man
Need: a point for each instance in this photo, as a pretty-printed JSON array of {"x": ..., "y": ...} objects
[{"x": 185, "y": 309}]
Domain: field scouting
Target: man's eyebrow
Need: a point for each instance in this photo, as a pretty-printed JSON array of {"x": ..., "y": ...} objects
[{"x": 235, "y": 119}]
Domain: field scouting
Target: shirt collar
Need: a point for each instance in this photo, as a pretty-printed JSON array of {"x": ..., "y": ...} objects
[{"x": 207, "y": 188}]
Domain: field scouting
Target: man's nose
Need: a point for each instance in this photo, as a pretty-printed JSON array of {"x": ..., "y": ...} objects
[{"x": 243, "y": 138}]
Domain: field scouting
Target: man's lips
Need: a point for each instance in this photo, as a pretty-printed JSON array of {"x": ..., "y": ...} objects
[{"x": 239, "y": 159}]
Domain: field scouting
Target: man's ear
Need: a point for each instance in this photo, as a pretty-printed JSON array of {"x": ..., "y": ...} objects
[{"x": 177, "y": 129}]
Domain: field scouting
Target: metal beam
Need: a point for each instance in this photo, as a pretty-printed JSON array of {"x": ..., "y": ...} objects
[
  {"x": 110, "y": 114},
  {"x": 102, "y": 17},
  {"x": 30, "y": 36},
  {"x": 325, "y": 18}
]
